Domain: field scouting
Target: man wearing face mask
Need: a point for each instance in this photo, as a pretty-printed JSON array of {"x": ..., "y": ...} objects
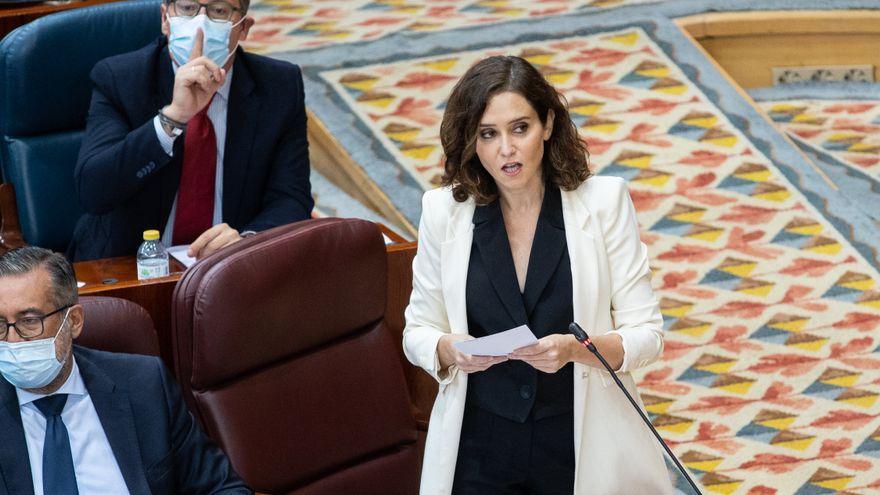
[
  {"x": 80, "y": 421},
  {"x": 193, "y": 136}
]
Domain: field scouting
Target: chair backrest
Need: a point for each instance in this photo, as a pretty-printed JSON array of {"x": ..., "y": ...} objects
[
  {"x": 117, "y": 325},
  {"x": 44, "y": 100},
  {"x": 281, "y": 349}
]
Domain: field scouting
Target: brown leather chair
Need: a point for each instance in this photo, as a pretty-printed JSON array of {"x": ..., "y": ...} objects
[
  {"x": 117, "y": 325},
  {"x": 281, "y": 350}
]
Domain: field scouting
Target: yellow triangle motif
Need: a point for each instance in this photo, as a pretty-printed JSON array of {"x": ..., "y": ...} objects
[
  {"x": 559, "y": 77},
  {"x": 790, "y": 326},
  {"x": 441, "y": 65},
  {"x": 705, "y": 466},
  {"x": 866, "y": 401},
  {"x": 727, "y": 142},
  {"x": 741, "y": 388},
  {"x": 704, "y": 122},
  {"x": 641, "y": 161},
  {"x": 862, "y": 285},
  {"x": 800, "y": 444},
  {"x": 628, "y": 39},
  {"x": 724, "y": 488},
  {"x": 778, "y": 424},
  {"x": 835, "y": 484},
  {"x": 811, "y": 346},
  {"x": 656, "y": 72},
  {"x": 676, "y": 90},
  {"x": 759, "y": 176},
  {"x": 418, "y": 152},
  {"x": 760, "y": 291},
  {"x": 845, "y": 381},
  {"x": 778, "y": 196},
  {"x": 830, "y": 248}
]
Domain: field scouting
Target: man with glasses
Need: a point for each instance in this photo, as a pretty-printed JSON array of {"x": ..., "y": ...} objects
[
  {"x": 80, "y": 421},
  {"x": 193, "y": 136}
]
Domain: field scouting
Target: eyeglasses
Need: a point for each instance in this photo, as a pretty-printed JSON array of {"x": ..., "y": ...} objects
[
  {"x": 218, "y": 10},
  {"x": 27, "y": 327}
]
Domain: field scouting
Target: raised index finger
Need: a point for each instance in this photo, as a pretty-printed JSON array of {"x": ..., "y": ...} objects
[{"x": 196, "y": 51}]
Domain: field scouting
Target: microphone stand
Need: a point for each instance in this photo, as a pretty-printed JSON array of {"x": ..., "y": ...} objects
[{"x": 584, "y": 339}]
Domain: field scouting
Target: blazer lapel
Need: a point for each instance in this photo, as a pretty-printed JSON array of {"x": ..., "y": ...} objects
[
  {"x": 114, "y": 412},
  {"x": 585, "y": 278},
  {"x": 490, "y": 237},
  {"x": 242, "y": 116},
  {"x": 547, "y": 249},
  {"x": 15, "y": 469},
  {"x": 455, "y": 254}
]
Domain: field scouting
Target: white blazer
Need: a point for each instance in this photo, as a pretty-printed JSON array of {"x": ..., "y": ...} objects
[{"x": 614, "y": 451}]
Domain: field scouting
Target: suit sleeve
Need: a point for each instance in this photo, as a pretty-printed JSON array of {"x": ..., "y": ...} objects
[
  {"x": 115, "y": 158},
  {"x": 426, "y": 319},
  {"x": 634, "y": 308},
  {"x": 288, "y": 195},
  {"x": 200, "y": 467}
]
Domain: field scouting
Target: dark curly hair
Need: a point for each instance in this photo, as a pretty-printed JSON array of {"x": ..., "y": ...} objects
[{"x": 565, "y": 157}]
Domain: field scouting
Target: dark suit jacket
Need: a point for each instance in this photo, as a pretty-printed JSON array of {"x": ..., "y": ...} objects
[
  {"x": 158, "y": 445},
  {"x": 514, "y": 389},
  {"x": 127, "y": 183}
]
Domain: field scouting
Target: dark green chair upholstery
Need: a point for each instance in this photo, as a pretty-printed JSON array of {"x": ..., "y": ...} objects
[{"x": 44, "y": 100}]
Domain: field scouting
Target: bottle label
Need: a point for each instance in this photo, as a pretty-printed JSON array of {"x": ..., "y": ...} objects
[{"x": 152, "y": 270}]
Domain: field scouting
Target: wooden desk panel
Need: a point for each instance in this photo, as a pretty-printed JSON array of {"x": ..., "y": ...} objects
[
  {"x": 117, "y": 277},
  {"x": 19, "y": 14},
  {"x": 749, "y": 44}
]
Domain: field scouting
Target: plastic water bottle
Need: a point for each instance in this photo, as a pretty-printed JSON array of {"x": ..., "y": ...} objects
[{"x": 152, "y": 258}]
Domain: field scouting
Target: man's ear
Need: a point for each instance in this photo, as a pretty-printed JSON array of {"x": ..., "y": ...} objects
[
  {"x": 548, "y": 126},
  {"x": 77, "y": 319},
  {"x": 166, "y": 29},
  {"x": 246, "y": 25}
]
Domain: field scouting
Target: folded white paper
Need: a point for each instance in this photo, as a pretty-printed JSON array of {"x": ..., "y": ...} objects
[
  {"x": 179, "y": 253},
  {"x": 498, "y": 344}
]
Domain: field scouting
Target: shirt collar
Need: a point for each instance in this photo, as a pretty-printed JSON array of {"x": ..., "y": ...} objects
[
  {"x": 224, "y": 89},
  {"x": 73, "y": 386}
]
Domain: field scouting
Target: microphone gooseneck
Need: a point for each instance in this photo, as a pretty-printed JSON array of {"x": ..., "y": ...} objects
[{"x": 584, "y": 339}]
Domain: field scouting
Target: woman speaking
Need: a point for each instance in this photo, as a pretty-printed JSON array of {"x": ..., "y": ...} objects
[{"x": 521, "y": 234}]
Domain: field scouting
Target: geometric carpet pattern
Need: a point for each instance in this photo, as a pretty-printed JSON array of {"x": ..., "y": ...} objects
[
  {"x": 285, "y": 25},
  {"x": 770, "y": 378},
  {"x": 846, "y": 129}
]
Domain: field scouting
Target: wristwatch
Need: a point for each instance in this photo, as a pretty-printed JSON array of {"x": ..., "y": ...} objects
[{"x": 171, "y": 127}]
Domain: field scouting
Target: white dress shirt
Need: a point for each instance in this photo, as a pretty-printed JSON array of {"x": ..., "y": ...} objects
[
  {"x": 97, "y": 471},
  {"x": 217, "y": 116}
]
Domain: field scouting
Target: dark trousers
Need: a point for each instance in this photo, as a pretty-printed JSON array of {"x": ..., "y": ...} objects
[{"x": 500, "y": 456}]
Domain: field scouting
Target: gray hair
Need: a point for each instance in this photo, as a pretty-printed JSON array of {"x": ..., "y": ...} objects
[{"x": 27, "y": 259}]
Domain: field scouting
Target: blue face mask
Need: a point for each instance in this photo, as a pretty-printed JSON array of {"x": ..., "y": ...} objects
[
  {"x": 31, "y": 364},
  {"x": 216, "y": 40}
]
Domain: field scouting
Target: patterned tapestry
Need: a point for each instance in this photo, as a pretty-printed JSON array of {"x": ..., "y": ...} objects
[
  {"x": 767, "y": 272},
  {"x": 284, "y": 25},
  {"x": 848, "y": 129}
]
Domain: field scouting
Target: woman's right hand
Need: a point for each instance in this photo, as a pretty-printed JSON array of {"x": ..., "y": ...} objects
[{"x": 449, "y": 355}]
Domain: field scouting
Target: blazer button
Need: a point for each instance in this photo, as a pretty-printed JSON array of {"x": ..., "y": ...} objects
[{"x": 525, "y": 392}]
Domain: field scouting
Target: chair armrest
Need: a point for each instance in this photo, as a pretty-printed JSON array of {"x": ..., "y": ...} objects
[{"x": 10, "y": 229}]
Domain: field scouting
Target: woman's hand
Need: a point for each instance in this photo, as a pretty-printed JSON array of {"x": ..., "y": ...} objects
[
  {"x": 549, "y": 354},
  {"x": 449, "y": 355}
]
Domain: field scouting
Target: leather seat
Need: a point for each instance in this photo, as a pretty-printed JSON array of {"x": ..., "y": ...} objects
[
  {"x": 281, "y": 350},
  {"x": 117, "y": 325},
  {"x": 45, "y": 91}
]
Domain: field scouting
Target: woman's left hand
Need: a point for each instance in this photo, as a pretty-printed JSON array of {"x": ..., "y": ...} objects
[{"x": 549, "y": 354}]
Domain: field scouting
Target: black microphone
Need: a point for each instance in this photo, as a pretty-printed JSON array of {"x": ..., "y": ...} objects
[{"x": 584, "y": 339}]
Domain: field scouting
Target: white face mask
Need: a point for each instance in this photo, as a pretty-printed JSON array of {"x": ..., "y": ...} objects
[
  {"x": 216, "y": 40},
  {"x": 31, "y": 364}
]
